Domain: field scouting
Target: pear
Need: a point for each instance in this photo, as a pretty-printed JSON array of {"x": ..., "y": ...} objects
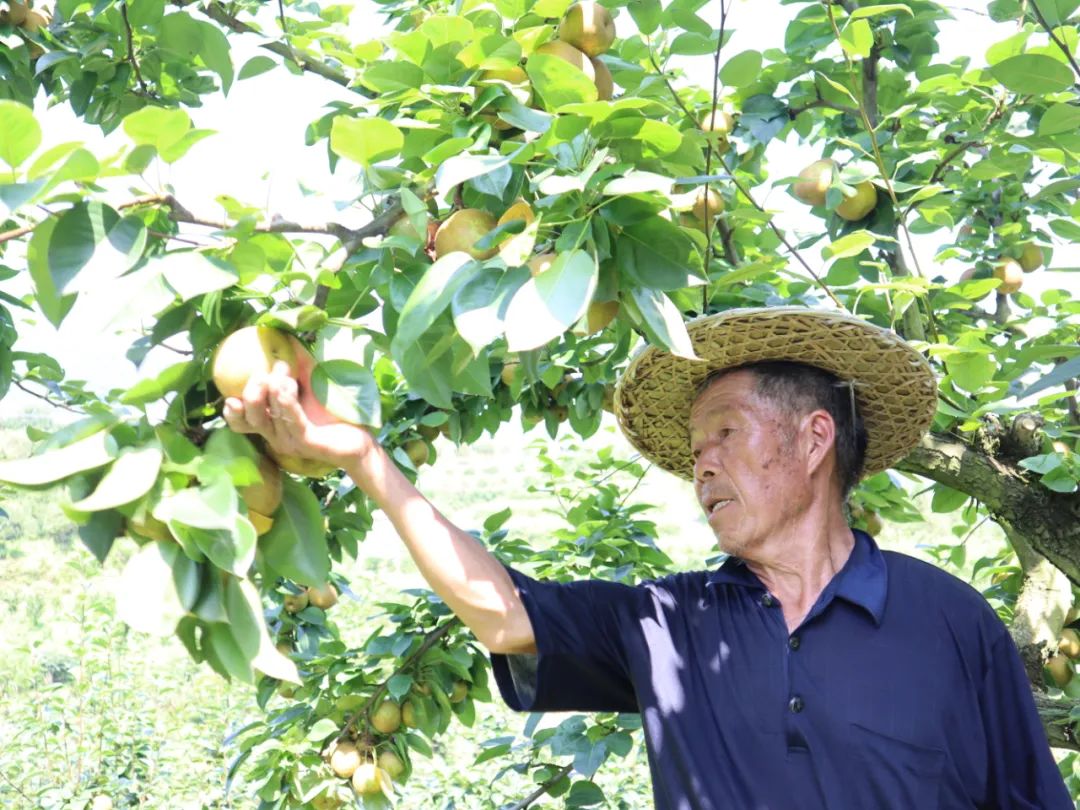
[
  {"x": 248, "y": 351},
  {"x": 588, "y": 27},
  {"x": 814, "y": 182},
  {"x": 859, "y": 204},
  {"x": 461, "y": 230},
  {"x": 1010, "y": 274}
]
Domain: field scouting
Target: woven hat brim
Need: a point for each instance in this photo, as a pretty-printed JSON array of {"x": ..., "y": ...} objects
[{"x": 895, "y": 388}]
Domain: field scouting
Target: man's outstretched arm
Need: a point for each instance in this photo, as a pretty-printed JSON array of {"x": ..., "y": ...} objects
[{"x": 456, "y": 566}]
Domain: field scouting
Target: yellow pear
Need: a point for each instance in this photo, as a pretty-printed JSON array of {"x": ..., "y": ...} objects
[
  {"x": 538, "y": 264},
  {"x": 814, "y": 182},
  {"x": 588, "y": 27},
  {"x": 150, "y": 527},
  {"x": 34, "y": 21},
  {"x": 323, "y": 596},
  {"x": 1031, "y": 258},
  {"x": 1061, "y": 670},
  {"x": 460, "y": 690},
  {"x": 367, "y": 780},
  {"x": 600, "y": 315},
  {"x": 605, "y": 85},
  {"x": 859, "y": 204},
  {"x": 570, "y": 55},
  {"x": 1069, "y": 643},
  {"x": 461, "y": 230},
  {"x": 262, "y": 523},
  {"x": 295, "y": 602},
  {"x": 265, "y": 496},
  {"x": 16, "y": 15},
  {"x": 519, "y": 210},
  {"x": 345, "y": 759},
  {"x": 418, "y": 451},
  {"x": 387, "y": 717},
  {"x": 707, "y": 205},
  {"x": 298, "y": 465},
  {"x": 515, "y": 77},
  {"x": 391, "y": 763},
  {"x": 247, "y": 351},
  {"x": 1010, "y": 274}
]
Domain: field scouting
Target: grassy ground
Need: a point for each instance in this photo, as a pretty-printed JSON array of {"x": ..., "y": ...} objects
[{"x": 91, "y": 707}]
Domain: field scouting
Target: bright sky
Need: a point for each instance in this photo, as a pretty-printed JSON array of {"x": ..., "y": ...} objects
[{"x": 259, "y": 158}]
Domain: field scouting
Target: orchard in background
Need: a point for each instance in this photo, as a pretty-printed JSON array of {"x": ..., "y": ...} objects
[{"x": 543, "y": 198}]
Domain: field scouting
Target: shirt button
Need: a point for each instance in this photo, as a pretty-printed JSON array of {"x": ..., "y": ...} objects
[
  {"x": 767, "y": 600},
  {"x": 794, "y": 642},
  {"x": 795, "y": 704}
]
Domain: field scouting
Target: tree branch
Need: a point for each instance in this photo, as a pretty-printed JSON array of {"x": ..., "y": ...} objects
[
  {"x": 219, "y": 14},
  {"x": 745, "y": 191},
  {"x": 795, "y": 112},
  {"x": 709, "y": 151},
  {"x": 1054, "y": 37},
  {"x": 131, "y": 51},
  {"x": 544, "y": 787}
]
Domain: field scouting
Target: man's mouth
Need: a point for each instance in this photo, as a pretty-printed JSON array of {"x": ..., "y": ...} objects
[{"x": 717, "y": 505}]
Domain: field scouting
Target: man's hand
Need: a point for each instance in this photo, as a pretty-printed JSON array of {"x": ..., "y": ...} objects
[{"x": 286, "y": 413}]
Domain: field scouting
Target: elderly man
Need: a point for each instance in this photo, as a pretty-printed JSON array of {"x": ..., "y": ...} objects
[{"x": 809, "y": 670}]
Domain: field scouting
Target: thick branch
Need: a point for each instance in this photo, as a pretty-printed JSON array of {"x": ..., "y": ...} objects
[
  {"x": 1059, "y": 728},
  {"x": 1049, "y": 522}
]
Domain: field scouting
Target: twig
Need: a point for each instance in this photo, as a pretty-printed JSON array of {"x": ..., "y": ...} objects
[
  {"x": 285, "y": 30},
  {"x": 17, "y": 232},
  {"x": 820, "y": 101},
  {"x": 1054, "y": 38},
  {"x": 745, "y": 191},
  {"x": 218, "y": 13},
  {"x": 16, "y": 787},
  {"x": 19, "y": 384},
  {"x": 429, "y": 641},
  {"x": 709, "y": 152},
  {"x": 544, "y": 787},
  {"x": 131, "y": 50}
]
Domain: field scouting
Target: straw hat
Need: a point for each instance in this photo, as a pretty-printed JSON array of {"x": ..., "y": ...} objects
[{"x": 895, "y": 389}]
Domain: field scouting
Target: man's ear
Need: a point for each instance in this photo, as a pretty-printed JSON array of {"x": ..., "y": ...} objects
[{"x": 818, "y": 432}]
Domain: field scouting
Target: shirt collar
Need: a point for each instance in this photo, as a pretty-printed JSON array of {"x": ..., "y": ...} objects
[{"x": 863, "y": 580}]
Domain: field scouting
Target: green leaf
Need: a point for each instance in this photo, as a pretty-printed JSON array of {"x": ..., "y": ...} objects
[
  {"x": 584, "y": 794},
  {"x": 20, "y": 133},
  {"x": 130, "y": 477},
  {"x": 159, "y": 127},
  {"x": 646, "y": 14},
  {"x": 660, "y": 320},
  {"x": 154, "y": 588},
  {"x": 89, "y": 453},
  {"x": 1060, "y": 374},
  {"x": 295, "y": 547},
  {"x": 551, "y": 302},
  {"x": 479, "y": 307},
  {"x": 1033, "y": 74},
  {"x": 558, "y": 82},
  {"x": 741, "y": 70},
  {"x": 1058, "y": 119},
  {"x": 433, "y": 295},
  {"x": 639, "y": 182},
  {"x": 193, "y": 273},
  {"x": 54, "y": 306},
  {"x": 170, "y": 379},
  {"x": 460, "y": 168},
  {"x": 658, "y": 254},
  {"x": 231, "y": 549},
  {"x": 365, "y": 140},
  {"x": 212, "y": 505},
  {"x": 878, "y": 10},
  {"x": 254, "y": 66},
  {"x": 188, "y": 38},
  {"x": 392, "y": 77},
  {"x": 857, "y": 39},
  {"x": 248, "y": 625},
  {"x": 851, "y": 244},
  {"x": 970, "y": 370},
  {"x": 348, "y": 391},
  {"x": 92, "y": 246},
  {"x": 322, "y": 729}
]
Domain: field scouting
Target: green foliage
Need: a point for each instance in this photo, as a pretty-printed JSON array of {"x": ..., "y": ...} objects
[{"x": 977, "y": 159}]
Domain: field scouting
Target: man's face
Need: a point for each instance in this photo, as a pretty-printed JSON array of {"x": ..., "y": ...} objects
[{"x": 745, "y": 474}]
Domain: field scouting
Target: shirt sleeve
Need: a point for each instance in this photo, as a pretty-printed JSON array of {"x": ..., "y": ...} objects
[
  {"x": 1022, "y": 772},
  {"x": 581, "y": 640}
]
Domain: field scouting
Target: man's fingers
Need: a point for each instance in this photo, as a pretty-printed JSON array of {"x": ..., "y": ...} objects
[
  {"x": 288, "y": 420},
  {"x": 255, "y": 404},
  {"x": 235, "y": 417}
]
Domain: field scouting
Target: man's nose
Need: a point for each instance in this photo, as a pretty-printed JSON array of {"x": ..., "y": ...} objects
[{"x": 705, "y": 466}]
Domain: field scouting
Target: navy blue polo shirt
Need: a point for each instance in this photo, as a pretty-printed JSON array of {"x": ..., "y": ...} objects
[{"x": 901, "y": 689}]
